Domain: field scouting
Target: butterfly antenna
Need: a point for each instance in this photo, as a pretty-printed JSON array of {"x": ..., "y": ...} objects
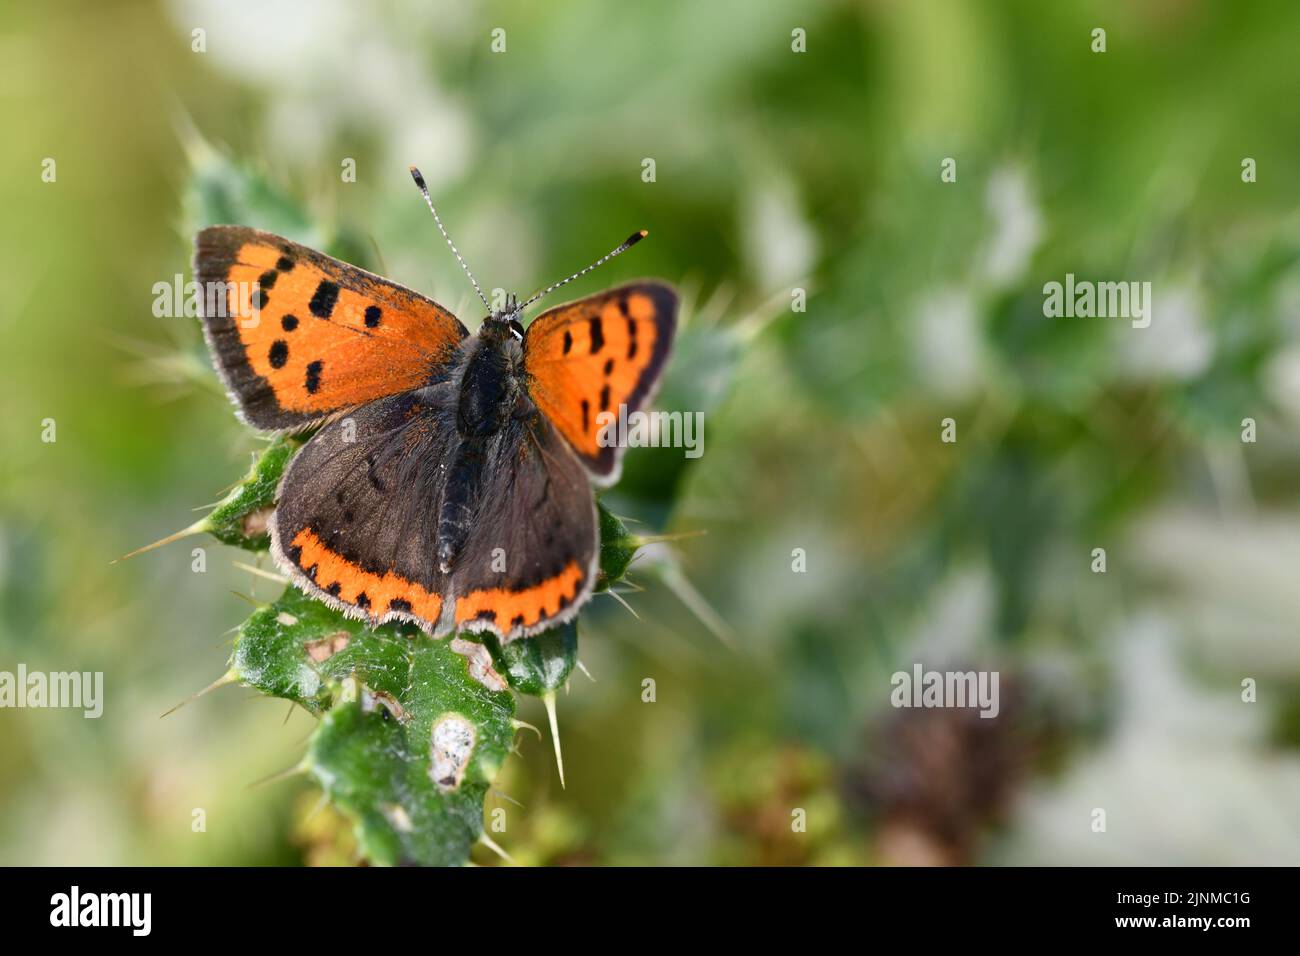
[
  {"x": 424, "y": 190},
  {"x": 627, "y": 244}
]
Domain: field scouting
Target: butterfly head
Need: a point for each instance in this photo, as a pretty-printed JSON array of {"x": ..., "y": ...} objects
[{"x": 507, "y": 322}]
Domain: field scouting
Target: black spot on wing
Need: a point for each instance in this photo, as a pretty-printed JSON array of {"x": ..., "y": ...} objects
[
  {"x": 279, "y": 353},
  {"x": 373, "y": 314},
  {"x": 597, "y": 334},
  {"x": 324, "y": 299},
  {"x": 288, "y": 322},
  {"x": 313, "y": 376}
]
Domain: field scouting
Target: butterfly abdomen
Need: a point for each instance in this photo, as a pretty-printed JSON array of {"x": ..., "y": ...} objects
[
  {"x": 459, "y": 495},
  {"x": 488, "y": 393}
]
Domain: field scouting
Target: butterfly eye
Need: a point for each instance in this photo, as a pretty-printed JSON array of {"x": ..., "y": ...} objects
[{"x": 517, "y": 328}]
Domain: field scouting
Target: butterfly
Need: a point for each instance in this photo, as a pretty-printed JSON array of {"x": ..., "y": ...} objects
[{"x": 450, "y": 480}]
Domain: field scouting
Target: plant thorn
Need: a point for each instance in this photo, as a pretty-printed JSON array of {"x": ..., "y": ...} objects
[
  {"x": 229, "y": 677},
  {"x": 488, "y": 842},
  {"x": 197, "y": 528},
  {"x": 623, "y": 601},
  {"x": 643, "y": 539},
  {"x": 522, "y": 724},
  {"x": 295, "y": 770},
  {"x": 686, "y": 593},
  {"x": 505, "y": 796},
  {"x": 261, "y": 572},
  {"x": 251, "y": 600},
  {"x": 549, "y": 701}
]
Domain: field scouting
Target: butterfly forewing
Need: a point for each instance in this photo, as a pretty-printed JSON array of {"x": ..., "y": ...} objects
[
  {"x": 585, "y": 359},
  {"x": 298, "y": 335}
]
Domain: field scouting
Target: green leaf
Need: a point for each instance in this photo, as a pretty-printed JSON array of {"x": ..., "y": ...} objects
[
  {"x": 414, "y": 784},
  {"x": 224, "y": 193},
  {"x": 300, "y": 650},
  {"x": 617, "y": 548},
  {"x": 537, "y": 665},
  {"x": 241, "y": 517},
  {"x": 409, "y": 741}
]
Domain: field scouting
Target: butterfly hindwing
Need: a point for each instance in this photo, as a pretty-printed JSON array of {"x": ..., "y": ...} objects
[
  {"x": 595, "y": 355},
  {"x": 298, "y": 335},
  {"x": 356, "y": 520},
  {"x": 356, "y": 513},
  {"x": 529, "y": 561}
]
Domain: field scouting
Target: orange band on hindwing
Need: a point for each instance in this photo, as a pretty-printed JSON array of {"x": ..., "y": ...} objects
[
  {"x": 376, "y": 594},
  {"x": 523, "y": 608}
]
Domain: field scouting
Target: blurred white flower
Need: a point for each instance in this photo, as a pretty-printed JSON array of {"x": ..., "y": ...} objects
[
  {"x": 294, "y": 60},
  {"x": 780, "y": 245},
  {"x": 1184, "y": 778},
  {"x": 1282, "y": 380},
  {"x": 1176, "y": 345},
  {"x": 1230, "y": 581},
  {"x": 956, "y": 621},
  {"x": 1286, "y": 303},
  {"x": 768, "y": 590},
  {"x": 1017, "y": 225},
  {"x": 947, "y": 347}
]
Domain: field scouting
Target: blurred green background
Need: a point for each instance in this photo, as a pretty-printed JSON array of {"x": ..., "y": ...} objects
[{"x": 775, "y": 170}]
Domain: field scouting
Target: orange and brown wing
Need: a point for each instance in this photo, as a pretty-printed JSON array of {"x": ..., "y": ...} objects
[
  {"x": 356, "y": 516},
  {"x": 529, "y": 562},
  {"x": 594, "y": 355},
  {"x": 297, "y": 335}
]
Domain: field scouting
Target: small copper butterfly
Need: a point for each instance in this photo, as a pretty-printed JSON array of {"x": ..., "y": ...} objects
[{"x": 450, "y": 481}]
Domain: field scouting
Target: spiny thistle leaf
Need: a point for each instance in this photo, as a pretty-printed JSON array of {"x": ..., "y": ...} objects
[
  {"x": 408, "y": 742},
  {"x": 537, "y": 665},
  {"x": 412, "y": 778},
  {"x": 222, "y": 192},
  {"x": 617, "y": 548},
  {"x": 297, "y": 649},
  {"x": 240, "y": 519}
]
